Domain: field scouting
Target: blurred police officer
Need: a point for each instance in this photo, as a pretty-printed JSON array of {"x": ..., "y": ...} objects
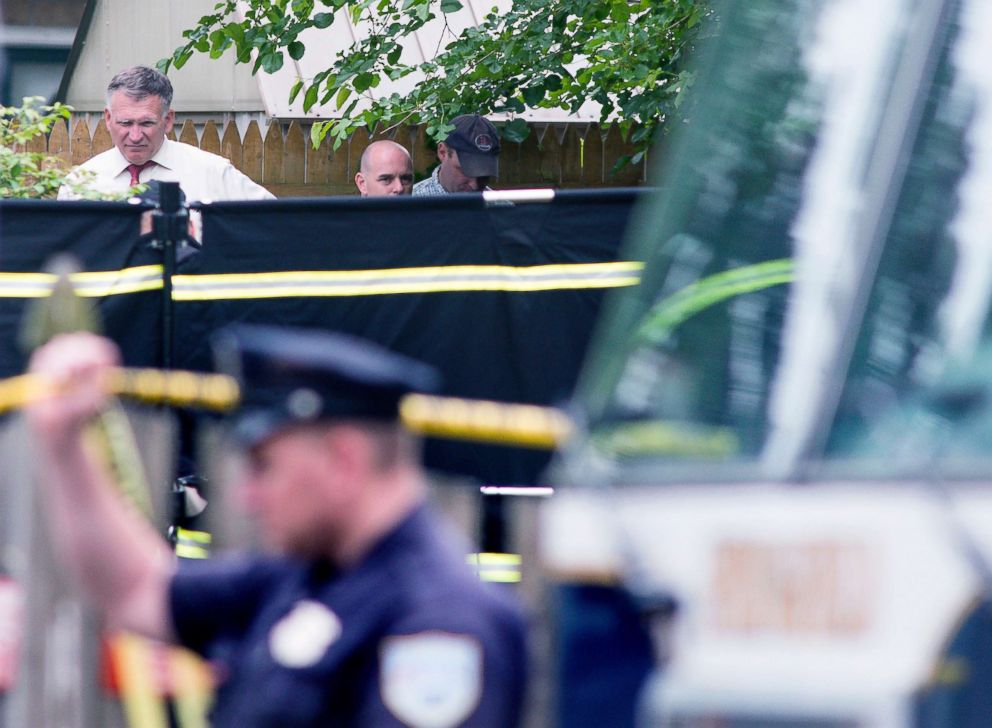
[{"x": 366, "y": 615}]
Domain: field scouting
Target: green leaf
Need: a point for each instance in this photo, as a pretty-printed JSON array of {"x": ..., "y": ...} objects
[
  {"x": 318, "y": 131},
  {"x": 311, "y": 97},
  {"x": 272, "y": 62},
  {"x": 322, "y": 20},
  {"x": 218, "y": 40},
  {"x": 296, "y": 50},
  {"x": 515, "y": 131},
  {"x": 363, "y": 82},
  {"x": 295, "y": 90},
  {"x": 515, "y": 105},
  {"x": 533, "y": 94},
  {"x": 620, "y": 11},
  {"x": 450, "y": 6},
  {"x": 180, "y": 60},
  {"x": 342, "y": 96},
  {"x": 235, "y": 32}
]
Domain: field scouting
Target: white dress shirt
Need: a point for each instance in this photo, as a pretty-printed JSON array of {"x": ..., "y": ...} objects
[{"x": 203, "y": 177}]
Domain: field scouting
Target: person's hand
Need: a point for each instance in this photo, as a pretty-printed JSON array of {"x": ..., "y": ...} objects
[{"x": 75, "y": 368}]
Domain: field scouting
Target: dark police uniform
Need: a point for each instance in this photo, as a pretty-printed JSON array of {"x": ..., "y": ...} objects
[{"x": 407, "y": 636}]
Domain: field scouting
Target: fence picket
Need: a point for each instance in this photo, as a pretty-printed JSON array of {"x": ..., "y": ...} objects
[
  {"x": 187, "y": 135},
  {"x": 615, "y": 147},
  {"x": 253, "y": 152},
  {"x": 593, "y": 164},
  {"x": 294, "y": 166},
  {"x": 318, "y": 165},
  {"x": 571, "y": 156},
  {"x": 551, "y": 156},
  {"x": 80, "y": 144},
  {"x": 102, "y": 140},
  {"x": 528, "y": 167},
  {"x": 210, "y": 140},
  {"x": 338, "y": 176},
  {"x": 58, "y": 143},
  {"x": 230, "y": 146},
  {"x": 356, "y": 145},
  {"x": 273, "y": 150},
  {"x": 36, "y": 145}
]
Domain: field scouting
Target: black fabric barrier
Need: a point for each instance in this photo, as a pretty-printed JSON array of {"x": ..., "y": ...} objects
[
  {"x": 103, "y": 236},
  {"x": 401, "y": 272}
]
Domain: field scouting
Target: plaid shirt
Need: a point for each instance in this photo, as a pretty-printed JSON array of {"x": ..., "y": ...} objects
[{"x": 429, "y": 187}]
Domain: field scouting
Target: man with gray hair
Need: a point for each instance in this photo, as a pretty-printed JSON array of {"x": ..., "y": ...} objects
[{"x": 139, "y": 117}]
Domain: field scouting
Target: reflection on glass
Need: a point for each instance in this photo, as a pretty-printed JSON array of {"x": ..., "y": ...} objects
[{"x": 819, "y": 265}]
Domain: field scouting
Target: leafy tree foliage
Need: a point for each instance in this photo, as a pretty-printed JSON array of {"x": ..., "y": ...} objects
[
  {"x": 627, "y": 55},
  {"x": 24, "y": 173},
  {"x": 28, "y": 174}
]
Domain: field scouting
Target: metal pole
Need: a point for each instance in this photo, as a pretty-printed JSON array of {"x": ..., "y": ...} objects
[{"x": 169, "y": 225}]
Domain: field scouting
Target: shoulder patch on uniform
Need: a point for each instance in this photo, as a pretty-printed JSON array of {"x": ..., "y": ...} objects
[
  {"x": 302, "y": 637},
  {"x": 431, "y": 679}
]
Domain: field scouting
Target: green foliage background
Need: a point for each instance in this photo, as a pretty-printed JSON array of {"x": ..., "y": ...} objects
[
  {"x": 24, "y": 173},
  {"x": 627, "y": 55}
]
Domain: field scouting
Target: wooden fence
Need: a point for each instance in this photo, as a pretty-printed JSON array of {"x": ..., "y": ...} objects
[{"x": 284, "y": 161}]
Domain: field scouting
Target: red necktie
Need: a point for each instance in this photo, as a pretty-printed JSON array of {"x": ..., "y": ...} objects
[{"x": 135, "y": 170}]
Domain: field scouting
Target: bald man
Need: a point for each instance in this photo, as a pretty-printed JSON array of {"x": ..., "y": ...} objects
[{"x": 386, "y": 169}]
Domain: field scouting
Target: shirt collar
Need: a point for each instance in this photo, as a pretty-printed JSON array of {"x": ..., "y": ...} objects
[{"x": 163, "y": 157}]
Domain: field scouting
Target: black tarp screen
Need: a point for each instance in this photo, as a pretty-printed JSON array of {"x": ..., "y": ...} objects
[{"x": 500, "y": 298}]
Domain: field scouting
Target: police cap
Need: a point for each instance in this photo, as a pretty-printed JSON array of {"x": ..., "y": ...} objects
[{"x": 293, "y": 376}]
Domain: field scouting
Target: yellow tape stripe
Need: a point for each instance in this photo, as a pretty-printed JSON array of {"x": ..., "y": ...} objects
[
  {"x": 186, "y": 551},
  {"x": 500, "y": 578},
  {"x": 133, "y": 659},
  {"x": 490, "y": 558},
  {"x": 284, "y": 284},
  {"x": 405, "y": 280},
  {"x": 198, "y": 537},
  {"x": 192, "y": 688},
  {"x": 486, "y": 421},
  {"x": 437, "y": 271},
  {"x": 501, "y": 568},
  {"x": 477, "y": 420},
  {"x": 91, "y": 284},
  {"x": 177, "y": 387}
]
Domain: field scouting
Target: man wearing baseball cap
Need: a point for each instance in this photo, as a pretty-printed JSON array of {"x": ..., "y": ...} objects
[{"x": 469, "y": 158}]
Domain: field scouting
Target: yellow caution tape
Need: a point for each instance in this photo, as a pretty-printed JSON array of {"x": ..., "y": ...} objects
[
  {"x": 486, "y": 421},
  {"x": 193, "y": 544},
  {"x": 475, "y": 420},
  {"x": 178, "y": 388},
  {"x": 502, "y": 568}
]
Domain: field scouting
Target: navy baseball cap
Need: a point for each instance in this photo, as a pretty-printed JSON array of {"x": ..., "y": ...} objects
[
  {"x": 293, "y": 376},
  {"x": 477, "y": 142}
]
